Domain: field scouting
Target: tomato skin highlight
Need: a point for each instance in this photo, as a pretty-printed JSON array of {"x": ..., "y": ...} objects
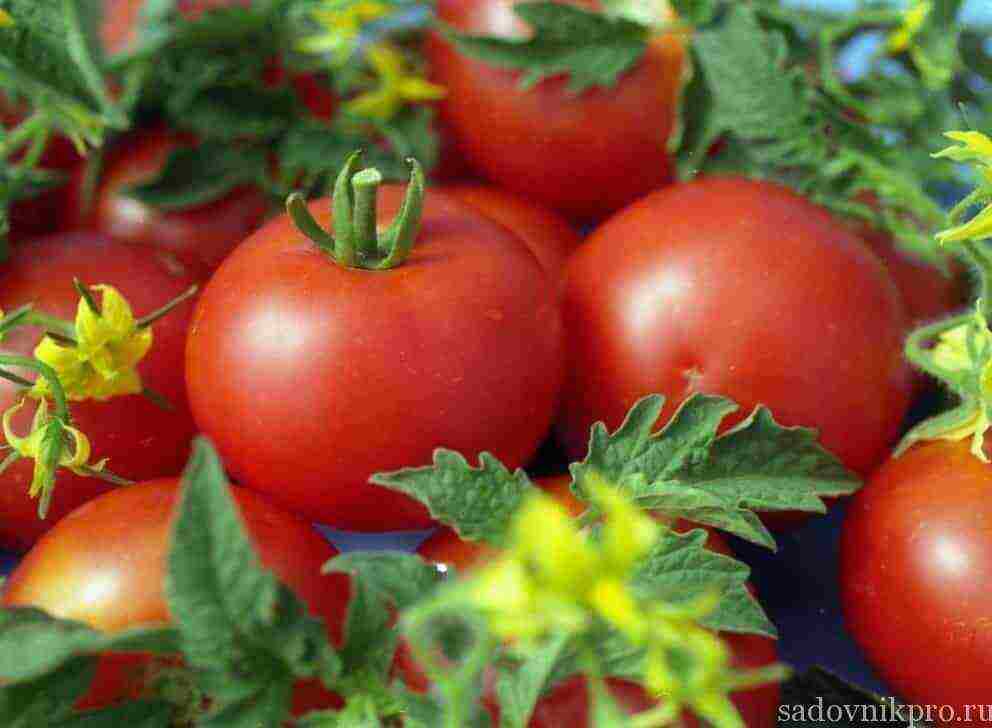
[
  {"x": 548, "y": 235},
  {"x": 568, "y": 703},
  {"x": 586, "y": 155},
  {"x": 739, "y": 288},
  {"x": 200, "y": 236},
  {"x": 916, "y": 560},
  {"x": 104, "y": 565},
  {"x": 311, "y": 377},
  {"x": 140, "y": 439}
]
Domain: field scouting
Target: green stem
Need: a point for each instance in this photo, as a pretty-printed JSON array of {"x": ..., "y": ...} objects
[
  {"x": 146, "y": 321},
  {"x": 365, "y": 220},
  {"x": 54, "y": 385}
]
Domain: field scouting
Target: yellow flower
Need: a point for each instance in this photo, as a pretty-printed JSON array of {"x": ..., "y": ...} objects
[
  {"x": 974, "y": 147},
  {"x": 5, "y": 20},
  {"x": 103, "y": 361},
  {"x": 398, "y": 85},
  {"x": 341, "y": 23},
  {"x": 914, "y": 19},
  {"x": 48, "y": 444}
]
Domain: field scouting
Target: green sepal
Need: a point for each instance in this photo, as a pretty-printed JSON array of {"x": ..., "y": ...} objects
[
  {"x": 590, "y": 48},
  {"x": 246, "y": 636}
]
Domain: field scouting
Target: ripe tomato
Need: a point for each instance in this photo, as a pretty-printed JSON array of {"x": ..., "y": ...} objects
[
  {"x": 200, "y": 236},
  {"x": 324, "y": 375},
  {"x": 740, "y": 288},
  {"x": 104, "y": 565},
  {"x": 568, "y": 703},
  {"x": 916, "y": 559},
  {"x": 549, "y": 236},
  {"x": 141, "y": 439},
  {"x": 587, "y": 154}
]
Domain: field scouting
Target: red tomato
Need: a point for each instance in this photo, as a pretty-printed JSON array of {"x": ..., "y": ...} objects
[
  {"x": 104, "y": 565},
  {"x": 549, "y": 236},
  {"x": 200, "y": 236},
  {"x": 324, "y": 375},
  {"x": 587, "y": 154},
  {"x": 141, "y": 439},
  {"x": 740, "y": 288},
  {"x": 568, "y": 704},
  {"x": 916, "y": 560}
]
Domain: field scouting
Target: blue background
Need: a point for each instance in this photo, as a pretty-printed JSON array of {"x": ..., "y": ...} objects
[{"x": 798, "y": 585}]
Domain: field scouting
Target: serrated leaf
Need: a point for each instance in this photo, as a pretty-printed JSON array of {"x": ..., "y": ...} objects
[
  {"x": 588, "y": 47},
  {"x": 199, "y": 175},
  {"x": 687, "y": 471},
  {"x": 248, "y": 637},
  {"x": 382, "y": 583},
  {"x": 680, "y": 568},
  {"x": 478, "y": 503}
]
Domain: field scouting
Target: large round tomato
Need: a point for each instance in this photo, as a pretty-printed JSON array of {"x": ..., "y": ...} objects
[
  {"x": 201, "y": 236},
  {"x": 311, "y": 377},
  {"x": 916, "y": 560},
  {"x": 104, "y": 565},
  {"x": 549, "y": 236},
  {"x": 585, "y": 154},
  {"x": 140, "y": 439},
  {"x": 568, "y": 703},
  {"x": 744, "y": 289}
]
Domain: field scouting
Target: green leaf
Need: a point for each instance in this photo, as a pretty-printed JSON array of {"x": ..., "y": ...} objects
[
  {"x": 687, "y": 471},
  {"x": 680, "y": 569},
  {"x": 478, "y": 503},
  {"x": 382, "y": 583},
  {"x": 50, "y": 55},
  {"x": 194, "y": 176},
  {"x": 519, "y": 686},
  {"x": 248, "y": 637},
  {"x": 33, "y": 644},
  {"x": 590, "y": 48},
  {"x": 47, "y": 664}
]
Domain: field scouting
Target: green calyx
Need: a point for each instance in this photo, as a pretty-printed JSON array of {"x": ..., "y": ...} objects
[{"x": 357, "y": 241}]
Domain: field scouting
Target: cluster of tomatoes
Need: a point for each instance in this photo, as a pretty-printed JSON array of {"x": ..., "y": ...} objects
[{"x": 503, "y": 324}]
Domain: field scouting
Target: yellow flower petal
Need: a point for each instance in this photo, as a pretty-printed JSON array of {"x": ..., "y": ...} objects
[{"x": 5, "y": 20}]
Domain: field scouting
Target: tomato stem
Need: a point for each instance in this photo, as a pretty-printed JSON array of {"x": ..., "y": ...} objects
[
  {"x": 357, "y": 242},
  {"x": 158, "y": 314},
  {"x": 365, "y": 224}
]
